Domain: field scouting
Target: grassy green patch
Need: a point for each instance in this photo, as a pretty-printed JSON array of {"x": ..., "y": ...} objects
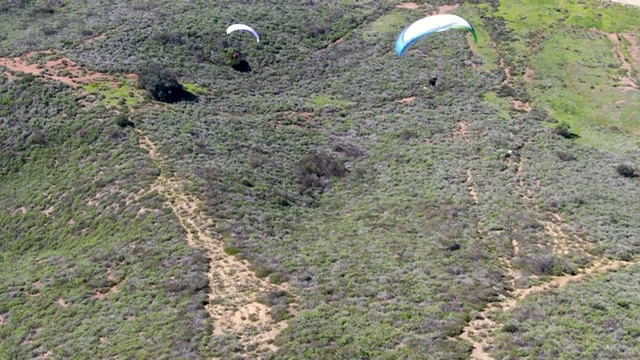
[
  {"x": 324, "y": 100},
  {"x": 525, "y": 16},
  {"x": 196, "y": 89},
  {"x": 576, "y": 81},
  {"x": 484, "y": 48},
  {"x": 115, "y": 94},
  {"x": 501, "y": 105}
]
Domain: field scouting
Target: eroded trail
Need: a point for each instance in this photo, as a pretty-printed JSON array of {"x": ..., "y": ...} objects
[
  {"x": 480, "y": 330},
  {"x": 58, "y": 68},
  {"x": 235, "y": 290}
]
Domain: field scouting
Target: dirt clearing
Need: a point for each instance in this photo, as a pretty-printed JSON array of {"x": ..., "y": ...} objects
[{"x": 59, "y": 68}]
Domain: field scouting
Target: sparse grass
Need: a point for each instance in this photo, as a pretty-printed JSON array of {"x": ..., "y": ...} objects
[{"x": 323, "y": 100}]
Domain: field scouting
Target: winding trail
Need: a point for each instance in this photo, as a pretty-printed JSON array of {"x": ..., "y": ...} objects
[
  {"x": 480, "y": 330},
  {"x": 234, "y": 301},
  {"x": 235, "y": 290}
]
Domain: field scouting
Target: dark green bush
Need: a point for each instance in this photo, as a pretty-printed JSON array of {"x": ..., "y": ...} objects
[
  {"x": 162, "y": 85},
  {"x": 122, "y": 120},
  {"x": 230, "y": 250},
  {"x": 627, "y": 170},
  {"x": 563, "y": 129},
  {"x": 565, "y": 156},
  {"x": 38, "y": 138},
  {"x": 510, "y": 328}
]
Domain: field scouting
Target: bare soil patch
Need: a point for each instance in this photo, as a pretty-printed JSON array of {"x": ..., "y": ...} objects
[
  {"x": 62, "y": 303},
  {"x": 61, "y": 69},
  {"x": 634, "y": 47},
  {"x": 462, "y": 131},
  {"x": 521, "y": 106},
  {"x": 472, "y": 190},
  {"x": 628, "y": 82},
  {"x": 92, "y": 39},
  {"x": 406, "y": 100},
  {"x": 234, "y": 304},
  {"x": 409, "y": 5},
  {"x": 445, "y": 9},
  {"x": 528, "y": 75}
]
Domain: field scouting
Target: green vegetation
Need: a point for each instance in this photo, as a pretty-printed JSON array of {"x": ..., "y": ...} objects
[
  {"x": 86, "y": 271},
  {"x": 597, "y": 318},
  {"x": 390, "y": 220},
  {"x": 114, "y": 95}
]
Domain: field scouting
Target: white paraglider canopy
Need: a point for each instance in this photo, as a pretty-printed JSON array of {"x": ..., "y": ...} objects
[{"x": 238, "y": 27}]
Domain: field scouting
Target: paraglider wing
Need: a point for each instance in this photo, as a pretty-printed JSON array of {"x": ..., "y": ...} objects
[
  {"x": 237, "y": 27},
  {"x": 430, "y": 25}
]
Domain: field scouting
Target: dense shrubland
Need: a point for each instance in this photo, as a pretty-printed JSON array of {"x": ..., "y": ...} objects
[{"x": 310, "y": 168}]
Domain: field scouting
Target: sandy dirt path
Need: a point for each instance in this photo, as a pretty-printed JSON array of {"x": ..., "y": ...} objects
[{"x": 235, "y": 289}]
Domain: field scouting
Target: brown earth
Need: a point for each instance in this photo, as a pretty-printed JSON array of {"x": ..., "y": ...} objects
[
  {"x": 507, "y": 72},
  {"x": 628, "y": 82},
  {"x": 406, "y": 100},
  {"x": 445, "y": 9},
  {"x": 461, "y": 131},
  {"x": 528, "y": 75},
  {"x": 234, "y": 304},
  {"x": 409, "y": 5},
  {"x": 521, "y": 106},
  {"x": 61, "y": 69}
]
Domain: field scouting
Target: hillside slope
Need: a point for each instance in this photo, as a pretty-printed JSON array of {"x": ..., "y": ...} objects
[{"x": 334, "y": 202}]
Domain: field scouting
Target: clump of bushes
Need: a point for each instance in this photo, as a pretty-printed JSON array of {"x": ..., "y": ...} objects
[
  {"x": 550, "y": 265},
  {"x": 38, "y": 138},
  {"x": 123, "y": 121},
  {"x": 162, "y": 85},
  {"x": 564, "y": 129},
  {"x": 315, "y": 170},
  {"x": 627, "y": 170},
  {"x": 565, "y": 156}
]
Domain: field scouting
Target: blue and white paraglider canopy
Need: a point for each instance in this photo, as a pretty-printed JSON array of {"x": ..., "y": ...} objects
[{"x": 430, "y": 25}]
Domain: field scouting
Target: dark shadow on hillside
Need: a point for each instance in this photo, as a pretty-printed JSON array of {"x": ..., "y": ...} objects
[
  {"x": 571, "y": 136},
  {"x": 241, "y": 66}
]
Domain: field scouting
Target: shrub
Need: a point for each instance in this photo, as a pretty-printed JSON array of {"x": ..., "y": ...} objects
[
  {"x": 230, "y": 250},
  {"x": 549, "y": 264},
  {"x": 261, "y": 272},
  {"x": 563, "y": 129},
  {"x": 314, "y": 170},
  {"x": 162, "y": 85},
  {"x": 277, "y": 278},
  {"x": 407, "y": 134},
  {"x": 38, "y": 138},
  {"x": 627, "y": 170},
  {"x": 510, "y": 328},
  {"x": 122, "y": 120},
  {"x": 565, "y": 156}
]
